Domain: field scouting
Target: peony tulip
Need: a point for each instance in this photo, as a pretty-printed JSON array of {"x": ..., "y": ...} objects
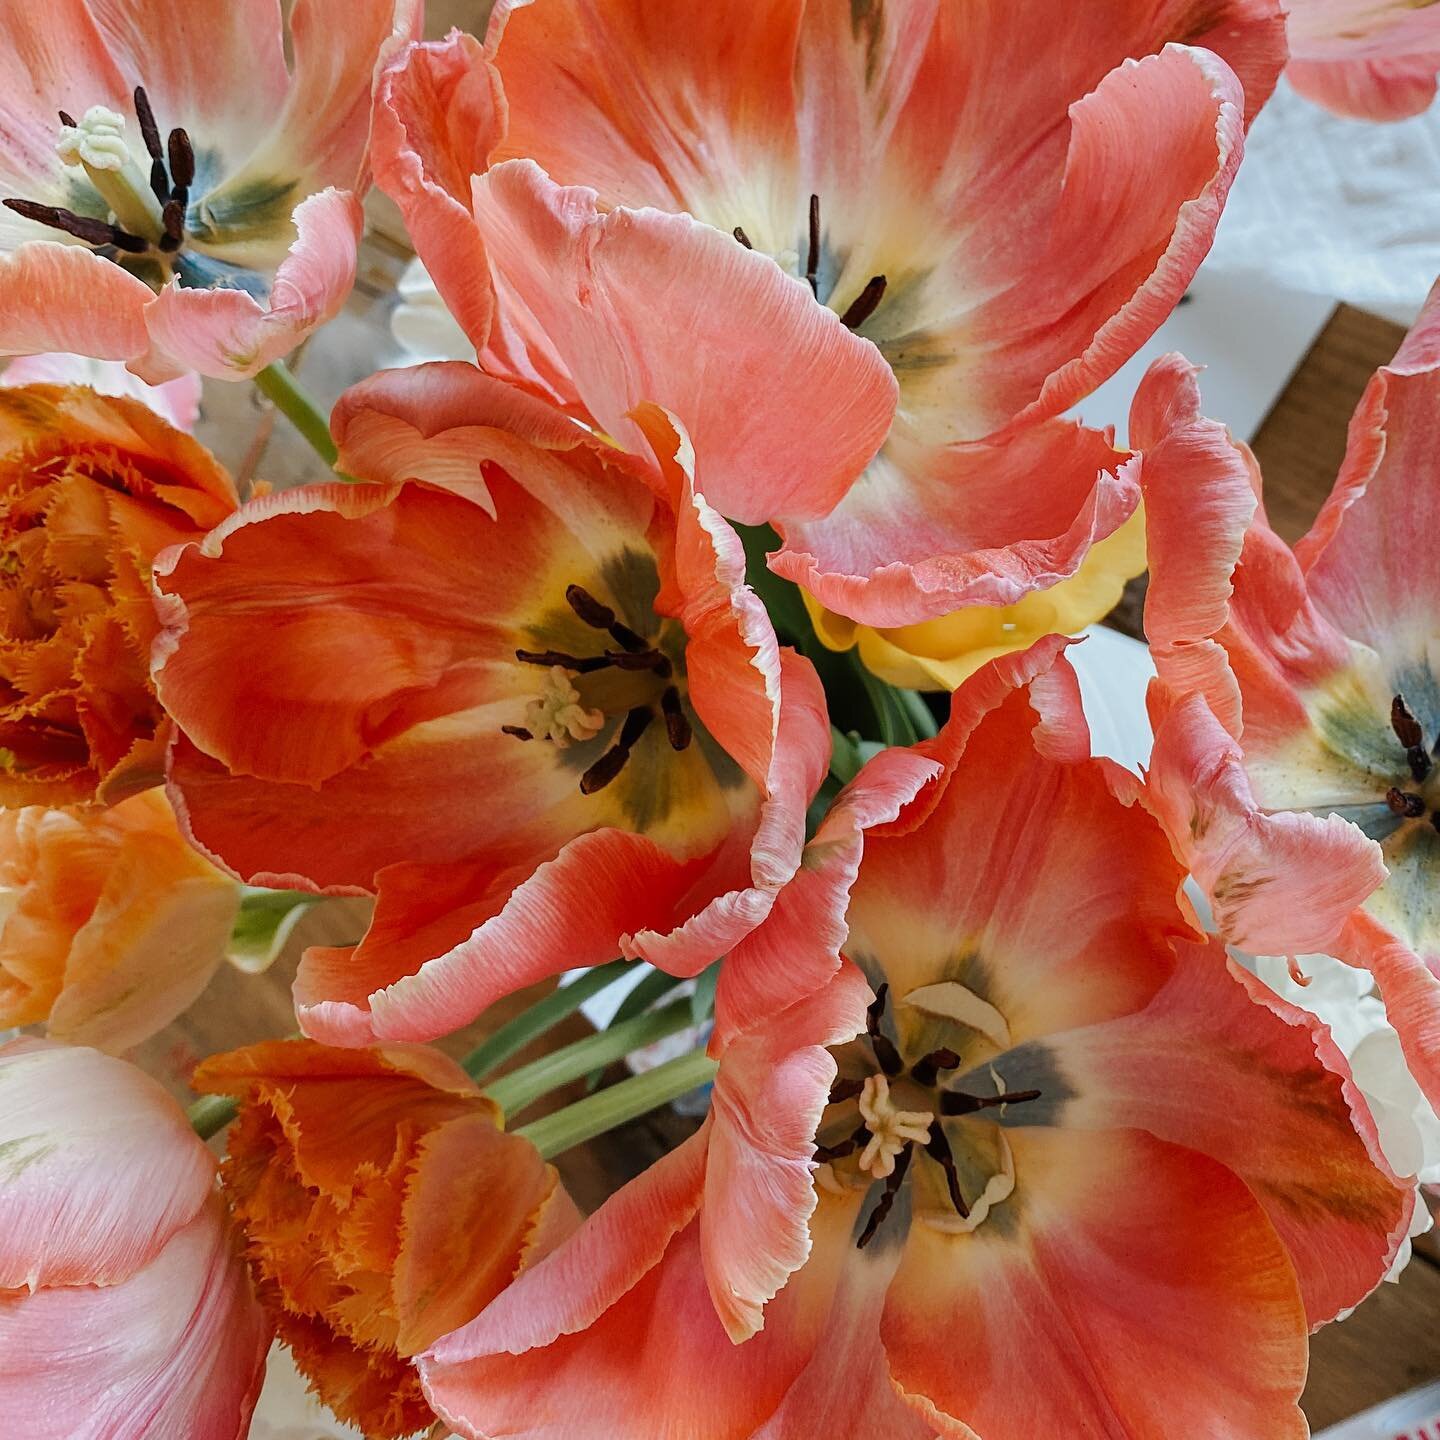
[
  {"x": 125, "y": 1310},
  {"x": 1296, "y": 709},
  {"x": 383, "y": 1205},
  {"x": 1035, "y": 1159},
  {"x": 539, "y": 711},
  {"x": 112, "y": 924},
  {"x": 1369, "y": 59},
  {"x": 992, "y": 235},
  {"x": 178, "y": 196},
  {"x": 91, "y": 488}
]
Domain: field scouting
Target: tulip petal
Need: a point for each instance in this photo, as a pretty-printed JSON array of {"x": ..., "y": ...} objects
[
  {"x": 931, "y": 529},
  {"x": 1367, "y": 60},
  {"x": 1368, "y": 89},
  {"x": 228, "y": 334},
  {"x": 1140, "y": 1287},
  {"x": 94, "y": 1198},
  {"x": 1316, "y": 1167},
  {"x": 176, "y": 1348},
  {"x": 67, "y": 298}
]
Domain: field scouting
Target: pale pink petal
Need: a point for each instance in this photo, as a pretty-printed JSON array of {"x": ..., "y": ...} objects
[
  {"x": 100, "y": 1167},
  {"x": 630, "y": 299},
  {"x": 67, "y": 298},
  {"x": 175, "y": 1349},
  {"x": 230, "y": 335},
  {"x": 1368, "y": 89}
]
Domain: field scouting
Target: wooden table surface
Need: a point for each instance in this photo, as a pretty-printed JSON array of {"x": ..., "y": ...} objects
[{"x": 1391, "y": 1344}]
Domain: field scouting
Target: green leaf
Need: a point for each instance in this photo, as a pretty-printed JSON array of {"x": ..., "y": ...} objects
[{"x": 702, "y": 1000}]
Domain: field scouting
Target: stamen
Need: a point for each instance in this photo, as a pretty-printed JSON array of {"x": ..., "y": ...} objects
[
  {"x": 812, "y": 256},
  {"x": 956, "y": 1102},
  {"x": 588, "y": 608},
  {"x": 887, "y": 1200},
  {"x": 886, "y": 1055},
  {"x": 66, "y": 118},
  {"x": 1405, "y": 725},
  {"x": 677, "y": 725},
  {"x": 173, "y": 218},
  {"x": 150, "y": 133},
  {"x": 843, "y": 1090},
  {"x": 182, "y": 159},
  {"x": 612, "y": 762},
  {"x": 925, "y": 1070},
  {"x": 624, "y": 635},
  {"x": 937, "y": 1147},
  {"x": 742, "y": 237},
  {"x": 518, "y": 731},
  {"x": 1403, "y": 803},
  {"x": 644, "y": 660},
  {"x": 550, "y": 658},
  {"x": 864, "y": 304},
  {"x": 83, "y": 227},
  {"x": 824, "y": 1154}
]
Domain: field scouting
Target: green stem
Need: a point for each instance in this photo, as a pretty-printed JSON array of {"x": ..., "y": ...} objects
[
  {"x": 619, "y": 1104},
  {"x": 283, "y": 390},
  {"x": 522, "y": 1087},
  {"x": 210, "y": 1114},
  {"x": 513, "y": 1037},
  {"x": 921, "y": 716}
]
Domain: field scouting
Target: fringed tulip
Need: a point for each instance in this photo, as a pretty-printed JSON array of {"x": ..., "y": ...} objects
[
  {"x": 792, "y": 202},
  {"x": 175, "y": 401},
  {"x": 92, "y": 487},
  {"x": 112, "y": 925},
  {"x": 538, "y": 710},
  {"x": 1368, "y": 59},
  {"x": 383, "y": 1205},
  {"x": 1041, "y": 1160},
  {"x": 125, "y": 1309},
  {"x": 178, "y": 196},
  {"x": 1298, "y": 704}
]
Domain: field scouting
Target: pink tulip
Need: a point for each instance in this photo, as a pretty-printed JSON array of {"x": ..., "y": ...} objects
[
  {"x": 777, "y": 219},
  {"x": 125, "y": 1310},
  {"x": 1035, "y": 1159},
  {"x": 179, "y": 198},
  {"x": 1297, "y": 712},
  {"x": 1370, "y": 59}
]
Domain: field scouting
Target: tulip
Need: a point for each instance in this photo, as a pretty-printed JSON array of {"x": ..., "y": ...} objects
[
  {"x": 1367, "y": 59},
  {"x": 606, "y": 192},
  {"x": 178, "y": 196},
  {"x": 382, "y": 1204},
  {"x": 125, "y": 1309},
  {"x": 1035, "y": 1158}
]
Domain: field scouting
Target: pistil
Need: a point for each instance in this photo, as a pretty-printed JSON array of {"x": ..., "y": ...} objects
[{"x": 97, "y": 145}]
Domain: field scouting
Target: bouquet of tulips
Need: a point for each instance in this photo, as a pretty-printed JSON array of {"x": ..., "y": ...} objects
[{"x": 712, "y": 625}]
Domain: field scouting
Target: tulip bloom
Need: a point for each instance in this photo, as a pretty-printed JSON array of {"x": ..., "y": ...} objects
[
  {"x": 1297, "y": 711},
  {"x": 1370, "y": 59},
  {"x": 996, "y": 236},
  {"x": 1043, "y": 1162},
  {"x": 383, "y": 1205},
  {"x": 539, "y": 710},
  {"x": 125, "y": 1310},
  {"x": 91, "y": 488},
  {"x": 178, "y": 197},
  {"x": 112, "y": 924},
  {"x": 177, "y": 401}
]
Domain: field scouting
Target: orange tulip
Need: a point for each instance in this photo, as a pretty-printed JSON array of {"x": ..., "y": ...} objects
[
  {"x": 92, "y": 487},
  {"x": 110, "y": 924},
  {"x": 383, "y": 1206}
]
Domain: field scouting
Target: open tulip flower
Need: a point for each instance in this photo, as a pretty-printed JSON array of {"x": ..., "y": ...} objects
[
  {"x": 1370, "y": 59},
  {"x": 997, "y": 235},
  {"x": 383, "y": 1205},
  {"x": 176, "y": 197},
  {"x": 1297, "y": 710},
  {"x": 1078, "y": 1174},
  {"x": 125, "y": 1309},
  {"x": 555, "y": 723}
]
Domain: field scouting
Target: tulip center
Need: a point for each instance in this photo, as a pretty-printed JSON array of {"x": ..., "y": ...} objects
[
  {"x": 631, "y": 680},
  {"x": 884, "y": 1107},
  {"x": 1419, "y": 797},
  {"x": 138, "y": 214},
  {"x": 861, "y": 307}
]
